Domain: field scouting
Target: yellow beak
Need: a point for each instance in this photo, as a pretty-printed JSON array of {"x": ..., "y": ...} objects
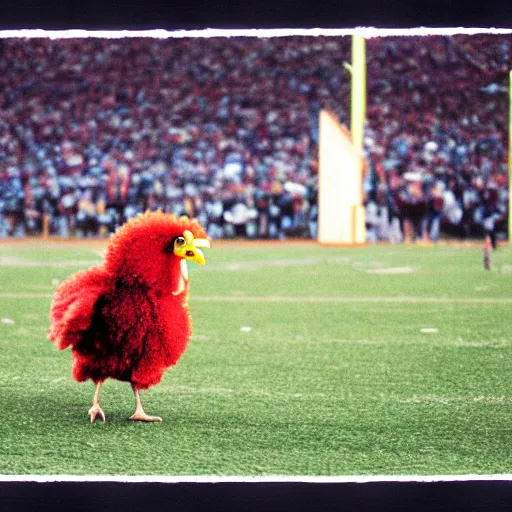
[{"x": 190, "y": 249}]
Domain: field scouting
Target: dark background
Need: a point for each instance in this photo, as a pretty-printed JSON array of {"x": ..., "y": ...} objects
[
  {"x": 255, "y": 497},
  {"x": 194, "y": 14}
]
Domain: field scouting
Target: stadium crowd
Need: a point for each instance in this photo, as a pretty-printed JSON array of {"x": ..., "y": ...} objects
[{"x": 94, "y": 131}]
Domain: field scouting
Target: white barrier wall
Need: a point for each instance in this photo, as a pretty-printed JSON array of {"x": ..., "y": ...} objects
[{"x": 340, "y": 193}]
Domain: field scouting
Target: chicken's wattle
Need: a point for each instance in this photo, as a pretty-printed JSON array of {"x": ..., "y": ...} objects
[{"x": 182, "y": 279}]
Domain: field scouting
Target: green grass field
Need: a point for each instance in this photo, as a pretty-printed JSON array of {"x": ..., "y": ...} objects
[{"x": 305, "y": 360}]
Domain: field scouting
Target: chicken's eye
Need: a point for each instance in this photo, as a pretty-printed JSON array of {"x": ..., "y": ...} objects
[{"x": 180, "y": 242}]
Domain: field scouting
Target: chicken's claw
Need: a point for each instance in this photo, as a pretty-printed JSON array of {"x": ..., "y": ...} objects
[
  {"x": 96, "y": 411},
  {"x": 142, "y": 416}
]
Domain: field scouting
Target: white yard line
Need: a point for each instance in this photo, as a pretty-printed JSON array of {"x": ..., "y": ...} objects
[
  {"x": 25, "y": 295},
  {"x": 327, "y": 300},
  {"x": 7, "y": 261},
  {"x": 416, "y": 300}
]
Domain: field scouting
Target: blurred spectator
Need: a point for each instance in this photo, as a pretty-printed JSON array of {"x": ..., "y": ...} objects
[
  {"x": 452, "y": 208},
  {"x": 434, "y": 212},
  {"x": 239, "y": 218},
  {"x": 86, "y": 216},
  {"x": 380, "y": 222},
  {"x": 13, "y": 203},
  {"x": 494, "y": 211},
  {"x": 413, "y": 209}
]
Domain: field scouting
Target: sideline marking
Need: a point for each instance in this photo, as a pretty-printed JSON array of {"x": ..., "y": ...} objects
[
  {"x": 417, "y": 300},
  {"x": 8, "y": 261},
  {"x": 26, "y": 295},
  {"x": 335, "y": 300}
]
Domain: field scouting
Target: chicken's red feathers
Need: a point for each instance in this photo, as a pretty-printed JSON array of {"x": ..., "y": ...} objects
[
  {"x": 73, "y": 303},
  {"x": 122, "y": 318}
]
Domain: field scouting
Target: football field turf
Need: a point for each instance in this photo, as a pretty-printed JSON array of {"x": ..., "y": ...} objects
[{"x": 304, "y": 360}]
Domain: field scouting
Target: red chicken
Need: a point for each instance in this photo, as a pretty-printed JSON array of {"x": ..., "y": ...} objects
[{"x": 128, "y": 318}]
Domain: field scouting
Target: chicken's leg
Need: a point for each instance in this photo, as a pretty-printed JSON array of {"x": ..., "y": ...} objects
[
  {"x": 96, "y": 410},
  {"x": 139, "y": 414}
]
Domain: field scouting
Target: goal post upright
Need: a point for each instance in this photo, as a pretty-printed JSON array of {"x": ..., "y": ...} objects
[
  {"x": 341, "y": 213},
  {"x": 358, "y": 92}
]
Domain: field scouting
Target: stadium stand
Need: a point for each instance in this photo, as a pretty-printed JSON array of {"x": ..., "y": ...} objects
[{"x": 94, "y": 131}]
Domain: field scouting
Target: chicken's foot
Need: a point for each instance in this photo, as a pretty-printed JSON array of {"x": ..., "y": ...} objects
[
  {"x": 139, "y": 414},
  {"x": 96, "y": 410}
]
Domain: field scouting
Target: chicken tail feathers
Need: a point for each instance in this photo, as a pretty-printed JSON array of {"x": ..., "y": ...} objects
[{"x": 72, "y": 306}]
